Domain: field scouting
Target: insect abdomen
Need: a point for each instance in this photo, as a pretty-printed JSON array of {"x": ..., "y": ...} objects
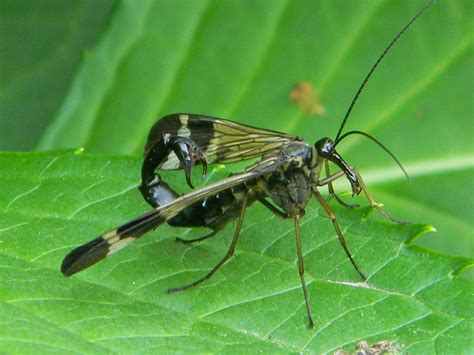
[{"x": 213, "y": 212}]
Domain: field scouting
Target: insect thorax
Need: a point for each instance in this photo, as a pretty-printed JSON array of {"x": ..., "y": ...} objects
[{"x": 291, "y": 186}]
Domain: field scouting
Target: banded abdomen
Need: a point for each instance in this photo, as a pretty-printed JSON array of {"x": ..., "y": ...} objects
[{"x": 215, "y": 211}]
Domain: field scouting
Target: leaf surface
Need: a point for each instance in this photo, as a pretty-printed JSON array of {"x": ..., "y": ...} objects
[{"x": 56, "y": 201}]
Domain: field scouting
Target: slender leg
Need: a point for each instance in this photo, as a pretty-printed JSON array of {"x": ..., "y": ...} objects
[
  {"x": 372, "y": 201},
  {"x": 200, "y": 239},
  {"x": 330, "y": 178},
  {"x": 331, "y": 189},
  {"x": 230, "y": 252},
  {"x": 301, "y": 271},
  {"x": 276, "y": 211},
  {"x": 332, "y": 217}
]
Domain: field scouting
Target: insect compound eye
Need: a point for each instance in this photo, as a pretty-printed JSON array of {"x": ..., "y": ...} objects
[{"x": 325, "y": 147}]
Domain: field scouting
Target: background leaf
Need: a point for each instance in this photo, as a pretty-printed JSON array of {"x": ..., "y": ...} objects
[
  {"x": 56, "y": 201},
  {"x": 240, "y": 60},
  {"x": 41, "y": 45}
]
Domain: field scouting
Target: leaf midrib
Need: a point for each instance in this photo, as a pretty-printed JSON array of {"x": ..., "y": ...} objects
[{"x": 442, "y": 165}]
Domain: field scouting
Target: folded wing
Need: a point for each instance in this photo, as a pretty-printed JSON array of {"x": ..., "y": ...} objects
[
  {"x": 221, "y": 141},
  {"x": 114, "y": 240}
]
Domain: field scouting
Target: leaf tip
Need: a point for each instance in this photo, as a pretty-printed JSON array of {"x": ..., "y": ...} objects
[
  {"x": 467, "y": 264},
  {"x": 425, "y": 228},
  {"x": 429, "y": 228}
]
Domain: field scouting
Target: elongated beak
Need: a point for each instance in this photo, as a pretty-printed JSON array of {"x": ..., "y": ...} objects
[{"x": 336, "y": 158}]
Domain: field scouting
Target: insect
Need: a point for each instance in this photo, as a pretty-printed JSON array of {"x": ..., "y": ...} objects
[{"x": 284, "y": 180}]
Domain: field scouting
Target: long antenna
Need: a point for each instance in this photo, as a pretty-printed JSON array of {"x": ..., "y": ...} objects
[
  {"x": 374, "y": 66},
  {"x": 376, "y": 141}
]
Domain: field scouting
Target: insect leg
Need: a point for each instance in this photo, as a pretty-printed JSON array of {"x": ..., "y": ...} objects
[
  {"x": 200, "y": 239},
  {"x": 332, "y": 217},
  {"x": 301, "y": 271},
  {"x": 230, "y": 252},
  {"x": 372, "y": 201},
  {"x": 276, "y": 211},
  {"x": 330, "y": 178},
  {"x": 331, "y": 189}
]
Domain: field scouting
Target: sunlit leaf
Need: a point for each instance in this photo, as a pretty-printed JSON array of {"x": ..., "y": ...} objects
[{"x": 52, "y": 202}]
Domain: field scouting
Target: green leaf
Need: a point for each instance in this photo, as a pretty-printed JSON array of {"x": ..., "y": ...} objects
[
  {"x": 52, "y": 202},
  {"x": 41, "y": 46},
  {"x": 240, "y": 60}
]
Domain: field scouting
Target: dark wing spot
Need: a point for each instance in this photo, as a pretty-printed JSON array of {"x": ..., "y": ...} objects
[{"x": 84, "y": 256}]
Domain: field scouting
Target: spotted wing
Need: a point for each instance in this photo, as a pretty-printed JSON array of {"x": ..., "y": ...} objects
[
  {"x": 114, "y": 240},
  {"x": 222, "y": 141}
]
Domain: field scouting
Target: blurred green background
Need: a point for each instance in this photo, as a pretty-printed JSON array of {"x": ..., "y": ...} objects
[{"x": 98, "y": 74}]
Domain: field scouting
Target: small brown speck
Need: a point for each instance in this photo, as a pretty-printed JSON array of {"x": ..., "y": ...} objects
[{"x": 307, "y": 98}]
